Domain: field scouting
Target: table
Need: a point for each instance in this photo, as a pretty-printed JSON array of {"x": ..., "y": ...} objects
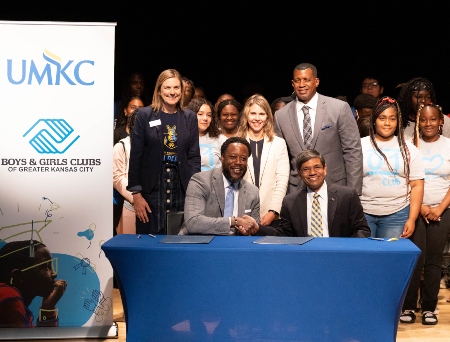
[{"x": 328, "y": 289}]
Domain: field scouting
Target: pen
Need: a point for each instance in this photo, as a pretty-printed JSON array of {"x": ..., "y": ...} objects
[
  {"x": 393, "y": 239},
  {"x": 378, "y": 239},
  {"x": 139, "y": 236},
  {"x": 151, "y": 235}
]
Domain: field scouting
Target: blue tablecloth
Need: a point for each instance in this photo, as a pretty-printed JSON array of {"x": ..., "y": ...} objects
[{"x": 330, "y": 289}]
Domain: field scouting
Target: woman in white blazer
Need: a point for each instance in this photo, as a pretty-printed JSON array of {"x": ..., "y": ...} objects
[{"x": 268, "y": 165}]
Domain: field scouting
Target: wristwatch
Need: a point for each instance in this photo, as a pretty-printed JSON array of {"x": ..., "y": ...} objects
[{"x": 273, "y": 211}]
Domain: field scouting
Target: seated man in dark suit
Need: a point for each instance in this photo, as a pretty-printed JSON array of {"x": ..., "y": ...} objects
[
  {"x": 319, "y": 209},
  {"x": 219, "y": 201}
]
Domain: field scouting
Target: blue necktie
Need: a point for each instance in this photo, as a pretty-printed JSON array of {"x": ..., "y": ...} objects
[{"x": 229, "y": 201}]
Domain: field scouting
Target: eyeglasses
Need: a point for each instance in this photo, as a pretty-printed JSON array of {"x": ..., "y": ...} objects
[
  {"x": 51, "y": 264},
  {"x": 371, "y": 85},
  {"x": 315, "y": 168}
]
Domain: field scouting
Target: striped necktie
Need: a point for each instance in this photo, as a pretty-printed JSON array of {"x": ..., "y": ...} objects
[
  {"x": 316, "y": 217},
  {"x": 307, "y": 129}
]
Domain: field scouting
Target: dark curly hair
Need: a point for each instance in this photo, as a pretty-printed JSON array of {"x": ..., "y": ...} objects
[
  {"x": 232, "y": 102},
  {"x": 364, "y": 101},
  {"x": 195, "y": 105}
]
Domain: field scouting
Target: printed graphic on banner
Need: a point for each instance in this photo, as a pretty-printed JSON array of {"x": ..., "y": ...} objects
[
  {"x": 51, "y": 289},
  {"x": 51, "y": 136}
]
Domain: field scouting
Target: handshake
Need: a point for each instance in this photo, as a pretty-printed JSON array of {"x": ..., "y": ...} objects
[{"x": 245, "y": 225}]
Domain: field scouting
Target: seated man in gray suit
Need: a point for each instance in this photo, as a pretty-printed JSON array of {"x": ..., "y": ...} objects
[
  {"x": 319, "y": 209},
  {"x": 219, "y": 201}
]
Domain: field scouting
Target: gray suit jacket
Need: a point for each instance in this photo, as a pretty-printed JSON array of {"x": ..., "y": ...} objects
[
  {"x": 336, "y": 137},
  {"x": 205, "y": 202}
]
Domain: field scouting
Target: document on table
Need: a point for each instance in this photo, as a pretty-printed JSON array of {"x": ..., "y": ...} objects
[
  {"x": 187, "y": 239},
  {"x": 283, "y": 240}
]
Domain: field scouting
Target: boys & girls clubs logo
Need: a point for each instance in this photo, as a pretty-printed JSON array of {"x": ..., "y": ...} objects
[{"x": 51, "y": 136}]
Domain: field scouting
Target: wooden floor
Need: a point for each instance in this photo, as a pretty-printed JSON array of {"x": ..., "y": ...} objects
[{"x": 406, "y": 332}]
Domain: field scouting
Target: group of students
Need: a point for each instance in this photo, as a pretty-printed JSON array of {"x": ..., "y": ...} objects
[
  {"x": 406, "y": 193},
  {"x": 405, "y": 157}
]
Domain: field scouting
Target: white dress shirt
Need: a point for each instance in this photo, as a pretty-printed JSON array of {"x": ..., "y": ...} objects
[
  {"x": 312, "y": 104},
  {"x": 323, "y": 200}
]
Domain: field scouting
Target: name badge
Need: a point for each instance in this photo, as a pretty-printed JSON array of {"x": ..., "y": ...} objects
[
  {"x": 155, "y": 123},
  {"x": 248, "y": 211}
]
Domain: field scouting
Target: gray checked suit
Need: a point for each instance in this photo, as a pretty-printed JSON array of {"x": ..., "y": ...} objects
[
  {"x": 336, "y": 137},
  {"x": 205, "y": 202}
]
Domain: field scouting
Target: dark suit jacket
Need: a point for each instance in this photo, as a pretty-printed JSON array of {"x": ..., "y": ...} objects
[
  {"x": 336, "y": 137},
  {"x": 345, "y": 214},
  {"x": 146, "y": 155}
]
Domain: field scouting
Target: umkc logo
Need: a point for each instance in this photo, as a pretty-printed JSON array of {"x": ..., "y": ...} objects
[
  {"x": 51, "y": 136},
  {"x": 54, "y": 70}
]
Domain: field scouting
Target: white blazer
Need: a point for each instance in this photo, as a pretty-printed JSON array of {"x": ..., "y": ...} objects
[{"x": 273, "y": 174}]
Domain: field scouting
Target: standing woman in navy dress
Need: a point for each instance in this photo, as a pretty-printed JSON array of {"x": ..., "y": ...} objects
[{"x": 164, "y": 154}]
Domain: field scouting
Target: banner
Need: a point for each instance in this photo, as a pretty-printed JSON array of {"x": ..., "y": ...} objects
[{"x": 56, "y": 112}]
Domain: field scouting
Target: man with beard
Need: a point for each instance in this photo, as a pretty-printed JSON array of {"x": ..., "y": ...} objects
[{"x": 219, "y": 201}]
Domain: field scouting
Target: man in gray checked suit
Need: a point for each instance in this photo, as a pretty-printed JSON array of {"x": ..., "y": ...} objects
[
  {"x": 322, "y": 123},
  {"x": 208, "y": 209}
]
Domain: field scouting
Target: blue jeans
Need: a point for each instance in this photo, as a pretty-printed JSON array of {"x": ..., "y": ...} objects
[{"x": 388, "y": 226}]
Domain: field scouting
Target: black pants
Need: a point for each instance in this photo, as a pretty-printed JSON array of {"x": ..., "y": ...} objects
[{"x": 431, "y": 239}]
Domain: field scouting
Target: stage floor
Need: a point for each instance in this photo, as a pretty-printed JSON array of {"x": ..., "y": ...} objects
[{"x": 406, "y": 332}]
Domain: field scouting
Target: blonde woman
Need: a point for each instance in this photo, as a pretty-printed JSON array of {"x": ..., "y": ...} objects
[
  {"x": 268, "y": 165},
  {"x": 164, "y": 154}
]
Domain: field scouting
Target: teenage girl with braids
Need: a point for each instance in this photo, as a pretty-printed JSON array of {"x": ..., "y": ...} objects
[
  {"x": 393, "y": 174},
  {"x": 433, "y": 225},
  {"x": 415, "y": 92}
]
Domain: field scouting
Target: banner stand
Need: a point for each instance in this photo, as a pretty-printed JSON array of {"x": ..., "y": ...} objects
[
  {"x": 56, "y": 105},
  {"x": 62, "y": 332}
]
